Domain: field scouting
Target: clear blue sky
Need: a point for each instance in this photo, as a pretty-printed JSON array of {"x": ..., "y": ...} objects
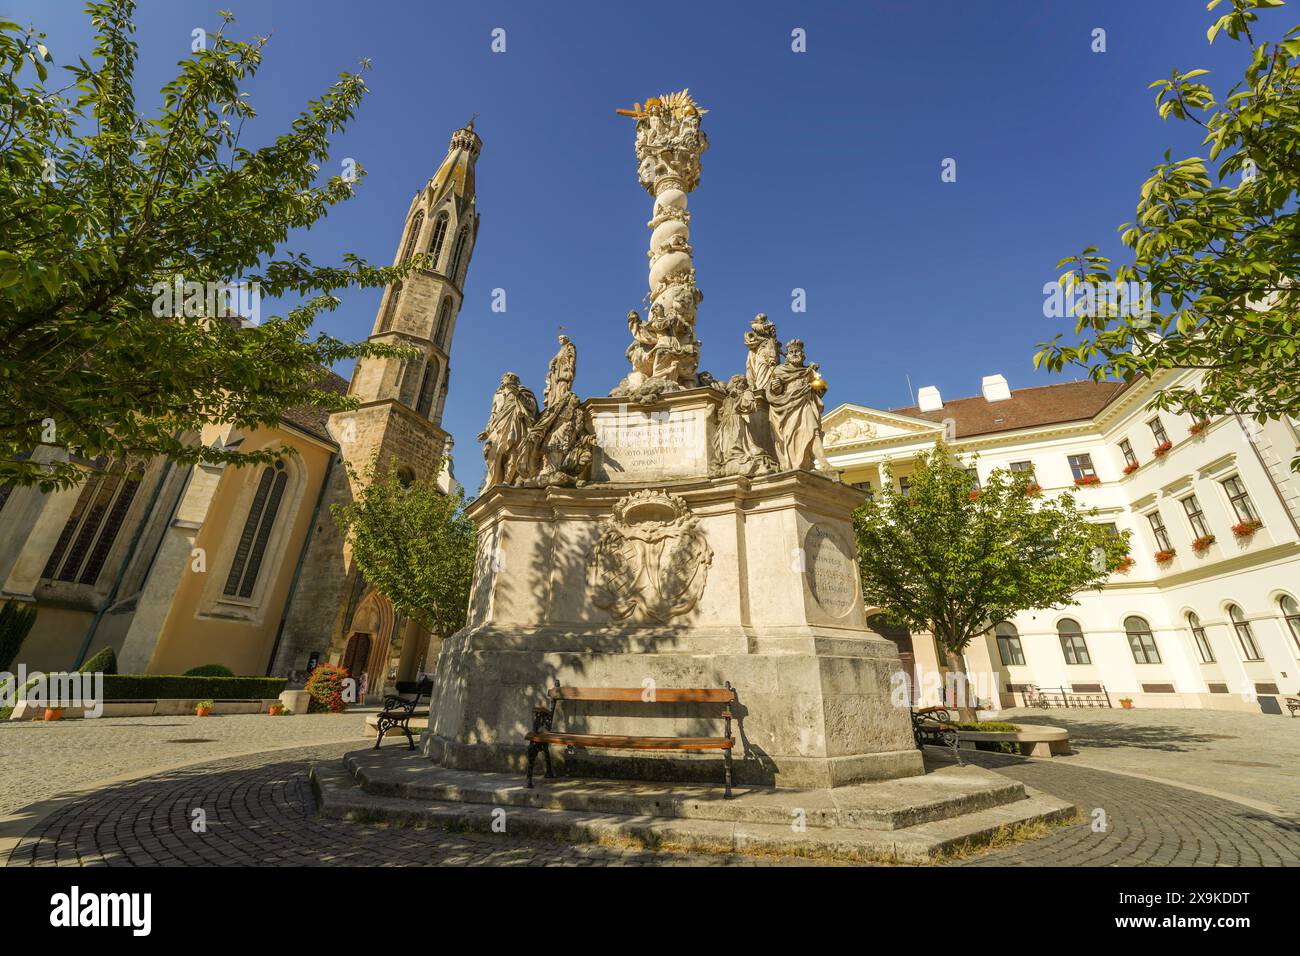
[{"x": 824, "y": 171}]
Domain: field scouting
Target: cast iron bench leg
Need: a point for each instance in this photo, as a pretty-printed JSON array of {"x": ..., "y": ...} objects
[
  {"x": 406, "y": 729},
  {"x": 726, "y": 763},
  {"x": 532, "y": 757},
  {"x": 546, "y": 752}
]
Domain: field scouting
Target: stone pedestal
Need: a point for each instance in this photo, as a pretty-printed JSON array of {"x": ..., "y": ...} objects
[{"x": 761, "y": 590}]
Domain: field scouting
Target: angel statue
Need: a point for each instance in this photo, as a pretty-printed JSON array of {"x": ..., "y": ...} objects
[
  {"x": 795, "y": 411},
  {"x": 514, "y": 409}
]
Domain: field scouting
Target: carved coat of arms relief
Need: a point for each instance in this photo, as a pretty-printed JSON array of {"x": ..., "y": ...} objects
[{"x": 651, "y": 561}]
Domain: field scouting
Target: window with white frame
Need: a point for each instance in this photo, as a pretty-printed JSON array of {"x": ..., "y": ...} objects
[
  {"x": 1022, "y": 468},
  {"x": 1081, "y": 466},
  {"x": 1159, "y": 531},
  {"x": 1126, "y": 448},
  {"x": 1158, "y": 430},
  {"x": 1141, "y": 641},
  {"x": 1240, "y": 499},
  {"x": 1073, "y": 645},
  {"x": 1199, "y": 636},
  {"x": 1009, "y": 649},
  {"x": 1195, "y": 517},
  {"x": 1291, "y": 612},
  {"x": 1245, "y": 636}
]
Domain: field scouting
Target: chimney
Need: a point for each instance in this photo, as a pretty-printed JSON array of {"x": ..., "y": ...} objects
[
  {"x": 995, "y": 388},
  {"x": 928, "y": 399}
]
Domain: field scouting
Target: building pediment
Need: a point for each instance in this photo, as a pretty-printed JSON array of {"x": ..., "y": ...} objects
[{"x": 853, "y": 424}]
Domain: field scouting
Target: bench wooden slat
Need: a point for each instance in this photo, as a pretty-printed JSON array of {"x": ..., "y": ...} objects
[
  {"x": 620, "y": 742},
  {"x": 665, "y": 695}
]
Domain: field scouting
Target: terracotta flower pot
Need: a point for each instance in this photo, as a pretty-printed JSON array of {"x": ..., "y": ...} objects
[
  {"x": 202, "y": 711},
  {"x": 53, "y": 713},
  {"x": 277, "y": 710},
  {"x": 1126, "y": 704}
]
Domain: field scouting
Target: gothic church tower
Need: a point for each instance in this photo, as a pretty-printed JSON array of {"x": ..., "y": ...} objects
[{"x": 334, "y": 614}]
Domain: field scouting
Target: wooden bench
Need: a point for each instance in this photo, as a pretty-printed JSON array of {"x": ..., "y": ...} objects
[
  {"x": 933, "y": 725},
  {"x": 544, "y": 733},
  {"x": 399, "y": 709}
]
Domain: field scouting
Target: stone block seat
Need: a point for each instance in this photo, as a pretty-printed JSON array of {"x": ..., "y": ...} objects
[{"x": 1030, "y": 741}]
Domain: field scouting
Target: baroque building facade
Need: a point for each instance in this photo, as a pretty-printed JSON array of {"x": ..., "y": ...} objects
[
  {"x": 1208, "y": 613},
  {"x": 176, "y": 567}
]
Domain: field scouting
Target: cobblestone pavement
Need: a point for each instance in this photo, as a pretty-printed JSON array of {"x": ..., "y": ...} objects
[
  {"x": 1253, "y": 756},
  {"x": 41, "y": 760},
  {"x": 260, "y": 811}
]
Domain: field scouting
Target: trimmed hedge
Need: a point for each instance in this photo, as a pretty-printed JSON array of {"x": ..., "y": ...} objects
[
  {"x": 209, "y": 670},
  {"x": 105, "y": 661},
  {"x": 161, "y": 686}
]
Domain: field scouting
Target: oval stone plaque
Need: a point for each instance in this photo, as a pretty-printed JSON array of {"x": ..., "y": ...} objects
[{"x": 829, "y": 571}]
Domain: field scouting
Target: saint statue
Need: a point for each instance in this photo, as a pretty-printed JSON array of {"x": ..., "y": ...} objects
[
  {"x": 560, "y": 373},
  {"x": 514, "y": 409},
  {"x": 560, "y": 445},
  {"x": 795, "y": 410},
  {"x": 738, "y": 442},
  {"x": 764, "y": 353}
]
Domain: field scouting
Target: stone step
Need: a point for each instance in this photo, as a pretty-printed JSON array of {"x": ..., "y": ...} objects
[
  {"x": 340, "y": 796},
  {"x": 881, "y": 805}
]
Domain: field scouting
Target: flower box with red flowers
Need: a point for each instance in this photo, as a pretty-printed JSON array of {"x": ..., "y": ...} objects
[
  {"x": 973, "y": 495},
  {"x": 1033, "y": 489},
  {"x": 1132, "y": 467},
  {"x": 1246, "y": 528},
  {"x": 1202, "y": 544},
  {"x": 1164, "y": 557},
  {"x": 1195, "y": 428},
  {"x": 1087, "y": 480},
  {"x": 1162, "y": 449},
  {"x": 1125, "y": 565}
]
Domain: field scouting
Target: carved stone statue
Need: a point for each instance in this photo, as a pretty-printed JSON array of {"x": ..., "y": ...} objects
[
  {"x": 514, "y": 409},
  {"x": 795, "y": 408},
  {"x": 764, "y": 353},
  {"x": 559, "y": 446},
  {"x": 738, "y": 438},
  {"x": 560, "y": 372},
  {"x": 652, "y": 559}
]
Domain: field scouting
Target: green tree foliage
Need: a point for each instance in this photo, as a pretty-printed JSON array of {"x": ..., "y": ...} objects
[
  {"x": 414, "y": 545},
  {"x": 955, "y": 561},
  {"x": 102, "y": 209},
  {"x": 16, "y": 621},
  {"x": 1217, "y": 238}
]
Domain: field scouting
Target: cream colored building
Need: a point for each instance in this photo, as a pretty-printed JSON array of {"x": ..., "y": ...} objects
[
  {"x": 1218, "y": 627},
  {"x": 182, "y": 566}
]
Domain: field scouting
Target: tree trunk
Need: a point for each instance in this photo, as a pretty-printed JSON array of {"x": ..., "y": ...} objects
[{"x": 961, "y": 688}]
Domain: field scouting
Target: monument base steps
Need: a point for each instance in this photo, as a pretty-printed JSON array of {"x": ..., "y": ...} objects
[{"x": 910, "y": 820}]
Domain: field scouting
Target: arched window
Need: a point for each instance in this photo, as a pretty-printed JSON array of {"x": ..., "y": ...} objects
[
  {"x": 439, "y": 234},
  {"x": 1141, "y": 641},
  {"x": 257, "y": 532},
  {"x": 1073, "y": 645},
  {"x": 424, "y": 404},
  {"x": 1291, "y": 611},
  {"x": 390, "y": 308},
  {"x": 444, "y": 321},
  {"x": 1202, "y": 641},
  {"x": 458, "y": 255},
  {"x": 1009, "y": 648},
  {"x": 90, "y": 532},
  {"x": 413, "y": 236},
  {"x": 1245, "y": 637}
]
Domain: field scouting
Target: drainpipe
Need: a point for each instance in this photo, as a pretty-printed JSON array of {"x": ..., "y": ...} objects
[
  {"x": 126, "y": 563},
  {"x": 302, "y": 557}
]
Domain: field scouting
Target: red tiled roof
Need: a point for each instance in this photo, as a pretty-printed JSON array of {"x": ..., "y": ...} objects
[
  {"x": 1026, "y": 408},
  {"x": 312, "y": 419}
]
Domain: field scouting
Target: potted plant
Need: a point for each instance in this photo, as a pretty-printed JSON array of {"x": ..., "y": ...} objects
[
  {"x": 1162, "y": 449},
  {"x": 1164, "y": 557},
  {"x": 53, "y": 713},
  {"x": 1245, "y": 529},
  {"x": 1033, "y": 489},
  {"x": 1202, "y": 544},
  {"x": 1196, "y": 427},
  {"x": 1126, "y": 703},
  {"x": 203, "y": 708},
  {"x": 1087, "y": 480},
  {"x": 277, "y": 709},
  {"x": 1126, "y": 564},
  {"x": 1132, "y": 467}
]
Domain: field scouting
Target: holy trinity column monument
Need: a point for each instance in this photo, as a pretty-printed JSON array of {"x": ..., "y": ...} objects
[{"x": 683, "y": 531}]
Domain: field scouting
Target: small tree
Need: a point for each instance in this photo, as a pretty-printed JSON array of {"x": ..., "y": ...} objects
[
  {"x": 1215, "y": 240},
  {"x": 414, "y": 545},
  {"x": 16, "y": 621},
  {"x": 126, "y": 236},
  {"x": 953, "y": 560}
]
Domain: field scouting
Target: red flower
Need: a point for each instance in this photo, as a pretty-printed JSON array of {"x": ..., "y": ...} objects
[
  {"x": 1164, "y": 557},
  {"x": 1162, "y": 449},
  {"x": 1087, "y": 480},
  {"x": 1132, "y": 467},
  {"x": 1125, "y": 565},
  {"x": 1033, "y": 489},
  {"x": 1246, "y": 528},
  {"x": 1202, "y": 544},
  {"x": 1197, "y": 427}
]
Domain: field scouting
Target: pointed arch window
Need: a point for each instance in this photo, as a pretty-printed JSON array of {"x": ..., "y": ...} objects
[
  {"x": 91, "y": 530},
  {"x": 251, "y": 549},
  {"x": 454, "y": 272},
  {"x": 424, "y": 404},
  {"x": 413, "y": 236},
  {"x": 444, "y": 322},
  {"x": 439, "y": 234},
  {"x": 390, "y": 307}
]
